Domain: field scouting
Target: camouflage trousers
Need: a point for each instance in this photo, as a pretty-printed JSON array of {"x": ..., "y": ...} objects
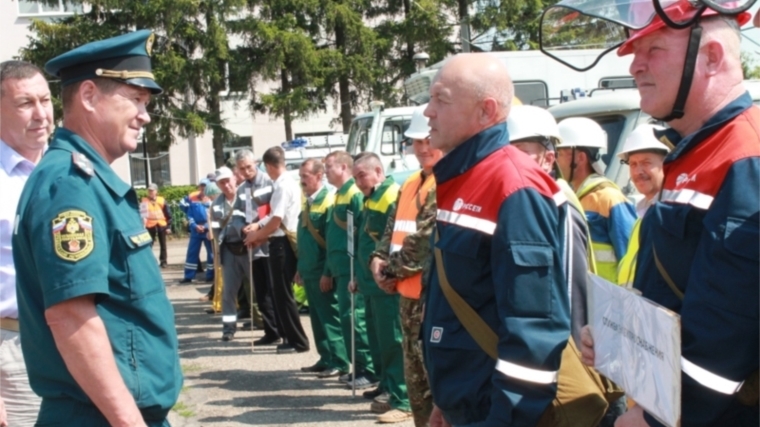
[{"x": 417, "y": 387}]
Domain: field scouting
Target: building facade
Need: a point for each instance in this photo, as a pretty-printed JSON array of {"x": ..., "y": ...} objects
[{"x": 188, "y": 159}]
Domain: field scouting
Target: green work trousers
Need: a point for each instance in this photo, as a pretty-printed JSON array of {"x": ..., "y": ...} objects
[
  {"x": 385, "y": 338},
  {"x": 363, "y": 357},
  {"x": 326, "y": 325}
]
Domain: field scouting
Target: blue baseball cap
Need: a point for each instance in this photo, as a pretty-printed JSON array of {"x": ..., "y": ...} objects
[{"x": 125, "y": 58}]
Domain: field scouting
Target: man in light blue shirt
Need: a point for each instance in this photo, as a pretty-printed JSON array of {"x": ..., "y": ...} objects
[{"x": 26, "y": 121}]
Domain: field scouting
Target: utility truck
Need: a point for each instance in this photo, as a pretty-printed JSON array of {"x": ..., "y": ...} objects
[
  {"x": 618, "y": 113},
  {"x": 538, "y": 80}
]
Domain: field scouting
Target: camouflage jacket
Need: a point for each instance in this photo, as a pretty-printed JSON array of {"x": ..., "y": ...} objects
[{"x": 415, "y": 253}]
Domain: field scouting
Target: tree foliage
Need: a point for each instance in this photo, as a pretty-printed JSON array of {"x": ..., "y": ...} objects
[
  {"x": 293, "y": 56},
  {"x": 188, "y": 58}
]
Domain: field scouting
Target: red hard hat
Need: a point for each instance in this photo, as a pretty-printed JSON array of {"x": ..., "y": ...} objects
[{"x": 679, "y": 12}]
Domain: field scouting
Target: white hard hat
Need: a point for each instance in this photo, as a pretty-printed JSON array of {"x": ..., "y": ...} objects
[
  {"x": 418, "y": 128},
  {"x": 529, "y": 121},
  {"x": 582, "y": 132},
  {"x": 642, "y": 138}
]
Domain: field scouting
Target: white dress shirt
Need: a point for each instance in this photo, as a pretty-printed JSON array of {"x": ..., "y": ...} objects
[
  {"x": 285, "y": 204},
  {"x": 14, "y": 171}
]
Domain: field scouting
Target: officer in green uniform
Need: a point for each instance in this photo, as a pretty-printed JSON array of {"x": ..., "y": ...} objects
[
  {"x": 383, "y": 320},
  {"x": 338, "y": 166},
  {"x": 320, "y": 290},
  {"x": 99, "y": 339}
]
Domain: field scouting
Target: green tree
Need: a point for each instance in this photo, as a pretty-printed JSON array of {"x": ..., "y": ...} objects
[
  {"x": 350, "y": 62},
  {"x": 188, "y": 58},
  {"x": 279, "y": 48},
  {"x": 408, "y": 27},
  {"x": 750, "y": 69}
]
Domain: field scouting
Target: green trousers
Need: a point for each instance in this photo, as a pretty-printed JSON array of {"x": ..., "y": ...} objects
[
  {"x": 326, "y": 325},
  {"x": 385, "y": 338},
  {"x": 363, "y": 358}
]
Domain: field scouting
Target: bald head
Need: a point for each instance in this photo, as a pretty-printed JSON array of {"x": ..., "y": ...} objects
[{"x": 472, "y": 92}]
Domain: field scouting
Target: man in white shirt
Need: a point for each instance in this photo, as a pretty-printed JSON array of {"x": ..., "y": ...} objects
[
  {"x": 279, "y": 227},
  {"x": 26, "y": 121}
]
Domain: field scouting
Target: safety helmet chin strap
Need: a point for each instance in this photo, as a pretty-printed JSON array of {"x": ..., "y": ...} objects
[
  {"x": 687, "y": 76},
  {"x": 572, "y": 166}
]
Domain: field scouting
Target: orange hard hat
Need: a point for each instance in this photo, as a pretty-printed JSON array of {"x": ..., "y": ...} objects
[{"x": 679, "y": 12}]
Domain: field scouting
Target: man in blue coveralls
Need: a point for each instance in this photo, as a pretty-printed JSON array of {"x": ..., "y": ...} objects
[
  {"x": 195, "y": 205},
  {"x": 99, "y": 338}
]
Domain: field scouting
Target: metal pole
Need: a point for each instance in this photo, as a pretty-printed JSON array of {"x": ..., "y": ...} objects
[
  {"x": 250, "y": 282},
  {"x": 146, "y": 161},
  {"x": 353, "y": 333}
]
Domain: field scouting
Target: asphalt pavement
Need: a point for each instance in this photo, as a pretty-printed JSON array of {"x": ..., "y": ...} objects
[{"x": 231, "y": 384}]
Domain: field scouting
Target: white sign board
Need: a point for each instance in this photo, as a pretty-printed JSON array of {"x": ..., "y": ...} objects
[
  {"x": 637, "y": 344},
  {"x": 350, "y": 232}
]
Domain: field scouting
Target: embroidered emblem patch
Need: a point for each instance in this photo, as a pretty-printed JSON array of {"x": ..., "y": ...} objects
[
  {"x": 436, "y": 334},
  {"x": 72, "y": 235}
]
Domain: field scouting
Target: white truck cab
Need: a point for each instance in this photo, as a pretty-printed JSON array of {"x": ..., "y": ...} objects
[{"x": 381, "y": 131}]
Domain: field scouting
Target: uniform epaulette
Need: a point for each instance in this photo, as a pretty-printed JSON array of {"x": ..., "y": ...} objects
[{"x": 82, "y": 163}]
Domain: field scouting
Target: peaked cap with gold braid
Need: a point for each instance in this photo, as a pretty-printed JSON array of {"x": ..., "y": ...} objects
[{"x": 125, "y": 58}]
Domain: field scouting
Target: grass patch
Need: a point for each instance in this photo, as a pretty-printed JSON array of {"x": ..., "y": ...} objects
[{"x": 183, "y": 410}]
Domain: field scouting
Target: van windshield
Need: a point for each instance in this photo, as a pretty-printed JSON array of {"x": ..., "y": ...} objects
[
  {"x": 358, "y": 135},
  {"x": 613, "y": 125}
]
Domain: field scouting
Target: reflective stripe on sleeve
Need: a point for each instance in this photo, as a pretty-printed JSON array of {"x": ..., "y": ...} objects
[
  {"x": 215, "y": 224},
  {"x": 688, "y": 197},
  {"x": 405, "y": 226},
  {"x": 229, "y": 319},
  {"x": 238, "y": 212},
  {"x": 526, "y": 374},
  {"x": 467, "y": 221},
  {"x": 708, "y": 379}
]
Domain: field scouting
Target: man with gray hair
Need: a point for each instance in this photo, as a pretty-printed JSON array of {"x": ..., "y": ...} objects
[
  {"x": 257, "y": 187},
  {"x": 496, "y": 314},
  {"x": 26, "y": 120},
  {"x": 228, "y": 219}
]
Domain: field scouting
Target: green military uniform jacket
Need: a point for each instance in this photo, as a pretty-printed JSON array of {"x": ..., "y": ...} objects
[
  {"x": 79, "y": 232},
  {"x": 312, "y": 227},
  {"x": 347, "y": 198},
  {"x": 415, "y": 255},
  {"x": 378, "y": 207}
]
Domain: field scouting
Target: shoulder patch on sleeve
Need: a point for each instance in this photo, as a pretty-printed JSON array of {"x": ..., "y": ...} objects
[
  {"x": 72, "y": 235},
  {"x": 82, "y": 163}
]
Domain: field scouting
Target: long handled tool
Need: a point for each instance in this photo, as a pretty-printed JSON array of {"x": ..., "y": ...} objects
[{"x": 250, "y": 283}]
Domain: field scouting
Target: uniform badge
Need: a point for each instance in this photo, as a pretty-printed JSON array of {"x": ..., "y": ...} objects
[
  {"x": 436, "y": 334},
  {"x": 72, "y": 235},
  {"x": 149, "y": 44},
  {"x": 82, "y": 163}
]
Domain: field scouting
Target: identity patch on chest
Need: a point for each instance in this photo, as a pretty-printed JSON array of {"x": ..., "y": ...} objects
[
  {"x": 436, "y": 334},
  {"x": 72, "y": 235}
]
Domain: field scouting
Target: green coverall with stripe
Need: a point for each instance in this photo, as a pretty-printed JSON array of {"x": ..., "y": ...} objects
[
  {"x": 347, "y": 198},
  {"x": 383, "y": 320},
  {"x": 323, "y": 306}
]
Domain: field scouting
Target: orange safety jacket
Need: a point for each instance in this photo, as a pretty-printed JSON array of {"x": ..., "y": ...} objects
[
  {"x": 155, "y": 212},
  {"x": 414, "y": 192}
]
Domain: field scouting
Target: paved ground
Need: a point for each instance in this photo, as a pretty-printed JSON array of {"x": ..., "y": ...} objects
[{"x": 228, "y": 384}]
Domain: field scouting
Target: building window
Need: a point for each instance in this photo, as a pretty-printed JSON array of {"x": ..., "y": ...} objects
[
  {"x": 47, "y": 8},
  {"x": 235, "y": 143},
  {"x": 160, "y": 170}
]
